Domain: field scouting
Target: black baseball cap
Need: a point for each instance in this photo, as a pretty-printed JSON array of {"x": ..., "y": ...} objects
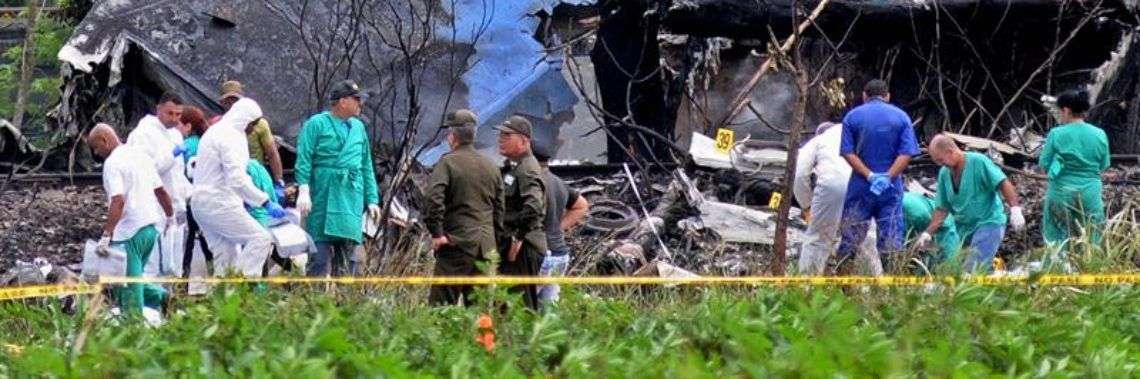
[{"x": 344, "y": 89}]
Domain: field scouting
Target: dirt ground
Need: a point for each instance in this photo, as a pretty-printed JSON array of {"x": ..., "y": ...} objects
[{"x": 49, "y": 221}]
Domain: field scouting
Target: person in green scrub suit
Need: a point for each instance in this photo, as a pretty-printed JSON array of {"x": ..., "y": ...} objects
[
  {"x": 337, "y": 182},
  {"x": 1075, "y": 154},
  {"x": 261, "y": 179},
  {"x": 264, "y": 182},
  {"x": 138, "y": 201},
  {"x": 917, "y": 212},
  {"x": 968, "y": 188}
]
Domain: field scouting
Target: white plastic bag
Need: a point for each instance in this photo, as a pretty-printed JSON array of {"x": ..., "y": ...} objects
[
  {"x": 114, "y": 264},
  {"x": 166, "y": 257},
  {"x": 292, "y": 240}
]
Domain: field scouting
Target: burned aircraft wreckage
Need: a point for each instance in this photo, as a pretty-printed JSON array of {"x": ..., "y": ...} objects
[
  {"x": 670, "y": 66},
  {"x": 613, "y": 81}
]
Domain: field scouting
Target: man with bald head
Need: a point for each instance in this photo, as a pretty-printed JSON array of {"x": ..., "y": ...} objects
[
  {"x": 138, "y": 203},
  {"x": 968, "y": 188}
]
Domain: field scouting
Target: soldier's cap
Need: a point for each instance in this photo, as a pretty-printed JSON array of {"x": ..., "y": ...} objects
[
  {"x": 344, "y": 89},
  {"x": 461, "y": 117},
  {"x": 231, "y": 89},
  {"x": 516, "y": 124}
]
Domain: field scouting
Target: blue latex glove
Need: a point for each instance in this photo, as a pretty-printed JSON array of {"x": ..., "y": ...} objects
[
  {"x": 179, "y": 150},
  {"x": 879, "y": 183},
  {"x": 275, "y": 210},
  {"x": 279, "y": 190}
]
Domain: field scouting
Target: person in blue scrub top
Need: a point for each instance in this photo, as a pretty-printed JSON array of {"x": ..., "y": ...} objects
[{"x": 878, "y": 141}]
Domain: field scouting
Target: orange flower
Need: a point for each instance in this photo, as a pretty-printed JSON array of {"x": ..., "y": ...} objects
[
  {"x": 484, "y": 322},
  {"x": 487, "y": 340}
]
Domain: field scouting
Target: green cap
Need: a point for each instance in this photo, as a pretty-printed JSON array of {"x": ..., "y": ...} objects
[
  {"x": 517, "y": 124},
  {"x": 461, "y": 117}
]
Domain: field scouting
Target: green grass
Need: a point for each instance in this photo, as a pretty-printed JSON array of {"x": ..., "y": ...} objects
[{"x": 966, "y": 331}]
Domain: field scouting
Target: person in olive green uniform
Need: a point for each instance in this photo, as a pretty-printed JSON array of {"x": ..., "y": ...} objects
[
  {"x": 1074, "y": 156},
  {"x": 337, "y": 181},
  {"x": 464, "y": 209},
  {"x": 524, "y": 240},
  {"x": 917, "y": 212}
]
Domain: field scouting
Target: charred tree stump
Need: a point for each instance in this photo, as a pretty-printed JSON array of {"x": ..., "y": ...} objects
[{"x": 626, "y": 61}]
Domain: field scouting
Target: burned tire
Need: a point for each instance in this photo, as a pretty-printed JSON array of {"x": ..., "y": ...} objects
[{"x": 609, "y": 216}]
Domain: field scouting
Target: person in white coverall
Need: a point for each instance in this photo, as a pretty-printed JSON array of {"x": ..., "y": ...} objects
[
  {"x": 822, "y": 198},
  {"x": 222, "y": 189},
  {"x": 159, "y": 136}
]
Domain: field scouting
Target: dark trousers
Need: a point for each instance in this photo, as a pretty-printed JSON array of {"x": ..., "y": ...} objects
[
  {"x": 527, "y": 263},
  {"x": 333, "y": 257},
  {"x": 275, "y": 258},
  {"x": 193, "y": 232},
  {"x": 450, "y": 261}
]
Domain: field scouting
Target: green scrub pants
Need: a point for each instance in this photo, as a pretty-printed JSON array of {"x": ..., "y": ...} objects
[
  {"x": 136, "y": 295},
  {"x": 1072, "y": 212}
]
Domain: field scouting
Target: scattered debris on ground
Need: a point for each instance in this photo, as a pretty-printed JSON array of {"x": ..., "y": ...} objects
[
  {"x": 708, "y": 219},
  {"x": 49, "y": 222}
]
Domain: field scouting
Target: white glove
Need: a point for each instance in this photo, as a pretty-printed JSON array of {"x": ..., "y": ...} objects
[
  {"x": 170, "y": 222},
  {"x": 1016, "y": 219},
  {"x": 304, "y": 203},
  {"x": 374, "y": 212},
  {"x": 104, "y": 246},
  {"x": 923, "y": 240}
]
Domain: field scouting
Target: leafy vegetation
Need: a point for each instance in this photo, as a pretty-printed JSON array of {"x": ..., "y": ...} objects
[
  {"x": 965, "y": 331},
  {"x": 51, "y": 33}
]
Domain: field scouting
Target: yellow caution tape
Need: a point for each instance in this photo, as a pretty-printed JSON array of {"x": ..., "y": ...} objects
[
  {"x": 767, "y": 281},
  {"x": 1094, "y": 279},
  {"x": 46, "y": 291}
]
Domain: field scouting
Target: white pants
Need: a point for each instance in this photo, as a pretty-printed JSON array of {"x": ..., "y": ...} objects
[
  {"x": 227, "y": 227},
  {"x": 821, "y": 239},
  {"x": 166, "y": 257}
]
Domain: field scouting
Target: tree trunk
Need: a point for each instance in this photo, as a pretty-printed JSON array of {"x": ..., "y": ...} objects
[
  {"x": 798, "y": 115},
  {"x": 27, "y": 64}
]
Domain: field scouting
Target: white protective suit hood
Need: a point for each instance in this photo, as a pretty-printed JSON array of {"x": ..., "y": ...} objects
[
  {"x": 221, "y": 185},
  {"x": 239, "y": 116},
  {"x": 223, "y": 154}
]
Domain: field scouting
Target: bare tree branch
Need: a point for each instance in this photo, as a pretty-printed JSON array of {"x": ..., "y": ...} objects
[{"x": 738, "y": 102}]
